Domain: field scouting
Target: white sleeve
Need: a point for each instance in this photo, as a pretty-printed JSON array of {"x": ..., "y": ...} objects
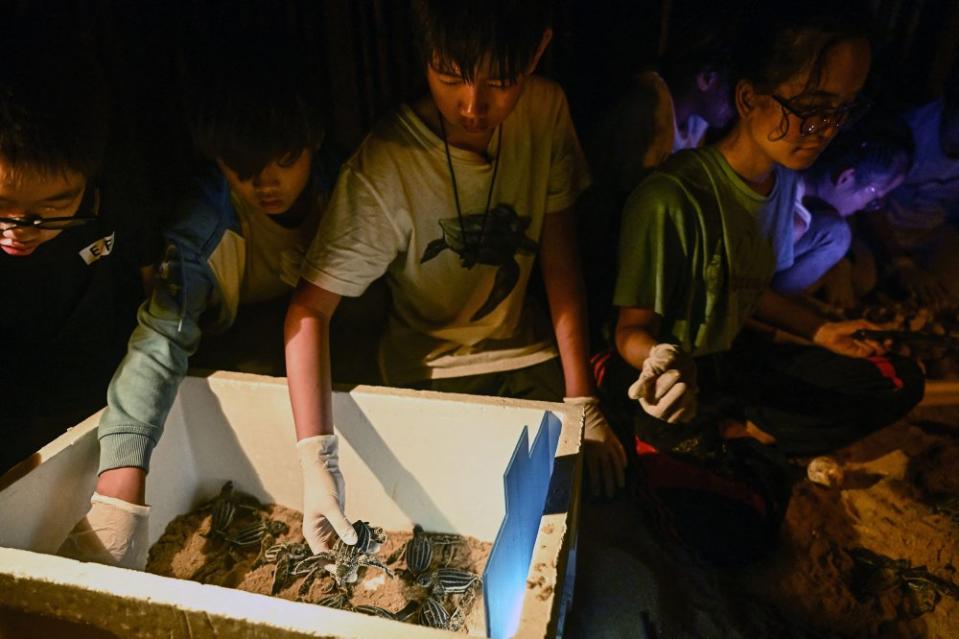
[{"x": 356, "y": 240}]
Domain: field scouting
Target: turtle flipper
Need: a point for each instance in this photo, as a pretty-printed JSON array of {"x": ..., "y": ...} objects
[
  {"x": 433, "y": 249},
  {"x": 506, "y": 278}
]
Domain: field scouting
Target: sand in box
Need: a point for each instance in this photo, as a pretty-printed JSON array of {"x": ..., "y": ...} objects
[{"x": 188, "y": 550}]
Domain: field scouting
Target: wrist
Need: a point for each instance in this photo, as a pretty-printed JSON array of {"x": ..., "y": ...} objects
[
  {"x": 584, "y": 400},
  {"x": 819, "y": 334},
  {"x": 318, "y": 448},
  {"x": 127, "y": 484}
]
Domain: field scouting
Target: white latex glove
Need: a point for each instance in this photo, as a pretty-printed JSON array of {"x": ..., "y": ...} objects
[
  {"x": 323, "y": 493},
  {"x": 605, "y": 457},
  {"x": 666, "y": 388},
  {"x": 113, "y": 532}
]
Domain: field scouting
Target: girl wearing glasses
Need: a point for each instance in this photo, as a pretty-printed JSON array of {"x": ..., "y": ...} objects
[{"x": 698, "y": 253}]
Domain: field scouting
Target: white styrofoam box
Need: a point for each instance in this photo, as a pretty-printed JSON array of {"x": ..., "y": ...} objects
[{"x": 500, "y": 470}]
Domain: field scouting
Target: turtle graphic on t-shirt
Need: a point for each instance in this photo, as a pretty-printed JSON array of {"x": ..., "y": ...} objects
[{"x": 491, "y": 240}]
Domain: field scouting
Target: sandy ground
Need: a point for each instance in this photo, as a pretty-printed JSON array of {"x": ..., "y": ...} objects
[
  {"x": 185, "y": 551},
  {"x": 891, "y": 502}
]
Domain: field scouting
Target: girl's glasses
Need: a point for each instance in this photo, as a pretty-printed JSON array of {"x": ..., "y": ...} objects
[{"x": 815, "y": 120}]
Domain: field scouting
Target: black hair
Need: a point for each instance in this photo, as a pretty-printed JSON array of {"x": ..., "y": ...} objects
[
  {"x": 950, "y": 93},
  {"x": 877, "y": 148},
  {"x": 779, "y": 40},
  {"x": 700, "y": 39},
  {"x": 252, "y": 103},
  {"x": 455, "y": 36},
  {"x": 54, "y": 103}
]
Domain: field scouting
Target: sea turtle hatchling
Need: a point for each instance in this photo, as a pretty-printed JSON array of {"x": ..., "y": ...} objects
[
  {"x": 947, "y": 505},
  {"x": 223, "y": 508},
  {"x": 297, "y": 552},
  {"x": 418, "y": 552},
  {"x": 338, "y": 600},
  {"x": 281, "y": 574},
  {"x": 448, "y": 581},
  {"x": 347, "y": 559},
  {"x": 448, "y": 544},
  {"x": 433, "y": 614},
  {"x": 255, "y": 533},
  {"x": 874, "y": 574},
  {"x": 374, "y": 611}
]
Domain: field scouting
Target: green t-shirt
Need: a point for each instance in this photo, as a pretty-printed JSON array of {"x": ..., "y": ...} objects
[{"x": 691, "y": 249}]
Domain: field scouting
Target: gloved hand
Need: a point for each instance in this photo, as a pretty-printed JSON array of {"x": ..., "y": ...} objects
[
  {"x": 605, "y": 457},
  {"x": 666, "y": 387},
  {"x": 323, "y": 493},
  {"x": 113, "y": 532}
]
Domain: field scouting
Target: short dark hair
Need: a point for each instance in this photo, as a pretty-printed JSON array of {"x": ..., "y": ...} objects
[
  {"x": 54, "y": 103},
  {"x": 699, "y": 39},
  {"x": 778, "y": 40},
  {"x": 251, "y": 104},
  {"x": 878, "y": 148},
  {"x": 455, "y": 36}
]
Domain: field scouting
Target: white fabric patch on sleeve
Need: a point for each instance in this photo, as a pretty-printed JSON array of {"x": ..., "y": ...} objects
[{"x": 100, "y": 248}]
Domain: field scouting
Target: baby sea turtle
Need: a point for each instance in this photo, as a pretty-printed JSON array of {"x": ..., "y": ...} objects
[
  {"x": 255, "y": 533},
  {"x": 491, "y": 239},
  {"x": 338, "y": 600},
  {"x": 874, "y": 574},
  {"x": 419, "y": 552},
  {"x": 375, "y": 611},
  {"x": 281, "y": 574},
  {"x": 448, "y": 581},
  {"x": 947, "y": 505},
  {"x": 449, "y": 543},
  {"x": 433, "y": 614},
  {"x": 224, "y": 506},
  {"x": 346, "y": 559},
  {"x": 297, "y": 552}
]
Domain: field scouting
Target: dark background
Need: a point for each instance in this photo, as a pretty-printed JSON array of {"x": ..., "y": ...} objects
[{"x": 361, "y": 55}]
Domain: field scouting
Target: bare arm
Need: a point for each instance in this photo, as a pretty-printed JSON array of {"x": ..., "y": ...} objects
[
  {"x": 559, "y": 260},
  {"x": 635, "y": 334},
  {"x": 306, "y": 334},
  {"x": 838, "y": 337},
  {"x": 786, "y": 314}
]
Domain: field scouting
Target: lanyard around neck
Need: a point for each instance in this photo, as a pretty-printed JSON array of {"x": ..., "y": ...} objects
[{"x": 471, "y": 253}]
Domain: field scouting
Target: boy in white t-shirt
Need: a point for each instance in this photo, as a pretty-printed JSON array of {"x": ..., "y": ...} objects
[{"x": 453, "y": 197}]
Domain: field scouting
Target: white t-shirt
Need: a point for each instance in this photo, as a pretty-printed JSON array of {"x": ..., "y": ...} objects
[
  {"x": 273, "y": 252},
  {"x": 393, "y": 211}
]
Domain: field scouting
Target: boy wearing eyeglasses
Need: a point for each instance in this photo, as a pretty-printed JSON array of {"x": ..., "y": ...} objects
[
  {"x": 237, "y": 241},
  {"x": 71, "y": 249}
]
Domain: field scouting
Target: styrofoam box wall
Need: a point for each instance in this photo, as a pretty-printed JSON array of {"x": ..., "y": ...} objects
[{"x": 451, "y": 463}]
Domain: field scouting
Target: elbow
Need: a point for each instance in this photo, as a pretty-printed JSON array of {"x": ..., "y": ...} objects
[{"x": 310, "y": 308}]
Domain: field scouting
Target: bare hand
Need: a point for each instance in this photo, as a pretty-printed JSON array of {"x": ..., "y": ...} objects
[{"x": 838, "y": 338}]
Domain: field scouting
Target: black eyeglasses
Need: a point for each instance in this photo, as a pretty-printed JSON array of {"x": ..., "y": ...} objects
[
  {"x": 818, "y": 119},
  {"x": 48, "y": 223}
]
